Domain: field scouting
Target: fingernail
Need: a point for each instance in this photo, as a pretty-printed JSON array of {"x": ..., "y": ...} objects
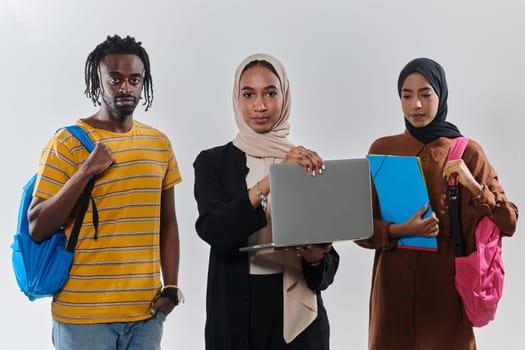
[
  {"x": 321, "y": 171},
  {"x": 323, "y": 167},
  {"x": 313, "y": 172},
  {"x": 308, "y": 169}
]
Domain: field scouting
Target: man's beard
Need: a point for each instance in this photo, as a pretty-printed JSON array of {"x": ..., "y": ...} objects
[{"x": 121, "y": 112}]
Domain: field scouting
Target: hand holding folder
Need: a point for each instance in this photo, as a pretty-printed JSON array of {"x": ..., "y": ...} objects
[{"x": 401, "y": 191}]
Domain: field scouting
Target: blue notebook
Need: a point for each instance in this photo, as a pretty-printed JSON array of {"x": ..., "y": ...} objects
[{"x": 401, "y": 191}]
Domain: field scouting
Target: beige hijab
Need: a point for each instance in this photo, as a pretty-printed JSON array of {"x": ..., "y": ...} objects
[
  {"x": 299, "y": 301},
  {"x": 274, "y": 143}
]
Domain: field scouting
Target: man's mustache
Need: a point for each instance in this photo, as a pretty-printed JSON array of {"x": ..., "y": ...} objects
[{"x": 124, "y": 96}]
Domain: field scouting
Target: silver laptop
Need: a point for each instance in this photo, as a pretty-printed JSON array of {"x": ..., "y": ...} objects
[{"x": 333, "y": 206}]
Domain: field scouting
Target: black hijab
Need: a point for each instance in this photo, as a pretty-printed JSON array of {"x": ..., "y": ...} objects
[{"x": 435, "y": 75}]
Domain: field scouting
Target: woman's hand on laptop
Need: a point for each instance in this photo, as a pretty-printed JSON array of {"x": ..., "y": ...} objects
[{"x": 309, "y": 160}]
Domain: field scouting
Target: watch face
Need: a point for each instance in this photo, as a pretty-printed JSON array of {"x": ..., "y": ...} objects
[
  {"x": 180, "y": 296},
  {"x": 173, "y": 293}
]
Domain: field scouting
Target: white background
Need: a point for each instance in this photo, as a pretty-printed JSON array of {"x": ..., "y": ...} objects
[{"x": 343, "y": 58}]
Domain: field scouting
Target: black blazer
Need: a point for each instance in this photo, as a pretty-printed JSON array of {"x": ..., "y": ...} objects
[{"x": 226, "y": 220}]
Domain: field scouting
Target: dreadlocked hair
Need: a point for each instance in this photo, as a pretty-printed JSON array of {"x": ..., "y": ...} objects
[{"x": 116, "y": 45}]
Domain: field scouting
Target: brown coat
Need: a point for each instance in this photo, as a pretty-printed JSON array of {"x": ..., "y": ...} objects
[{"x": 413, "y": 301}]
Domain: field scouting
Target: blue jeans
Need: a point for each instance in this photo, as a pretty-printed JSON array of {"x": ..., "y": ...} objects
[{"x": 140, "y": 335}]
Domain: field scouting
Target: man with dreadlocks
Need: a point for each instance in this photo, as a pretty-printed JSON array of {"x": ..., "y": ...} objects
[{"x": 114, "y": 297}]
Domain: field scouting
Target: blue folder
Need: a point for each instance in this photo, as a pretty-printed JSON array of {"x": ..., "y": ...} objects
[{"x": 401, "y": 191}]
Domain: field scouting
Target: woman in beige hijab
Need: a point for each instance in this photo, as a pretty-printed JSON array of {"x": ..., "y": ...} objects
[{"x": 264, "y": 300}]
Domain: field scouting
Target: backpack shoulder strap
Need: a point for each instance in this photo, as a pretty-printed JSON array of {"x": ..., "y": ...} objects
[
  {"x": 456, "y": 152},
  {"x": 457, "y": 148},
  {"x": 82, "y": 136}
]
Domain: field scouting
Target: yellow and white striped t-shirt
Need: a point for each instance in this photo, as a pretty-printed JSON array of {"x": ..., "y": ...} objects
[{"x": 115, "y": 276}]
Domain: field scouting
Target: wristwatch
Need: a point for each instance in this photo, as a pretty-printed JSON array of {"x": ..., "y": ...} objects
[{"x": 173, "y": 293}]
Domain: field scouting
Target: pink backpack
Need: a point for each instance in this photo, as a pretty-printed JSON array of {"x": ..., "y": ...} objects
[{"x": 479, "y": 276}]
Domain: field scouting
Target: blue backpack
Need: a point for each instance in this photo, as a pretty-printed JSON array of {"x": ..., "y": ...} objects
[{"x": 42, "y": 268}]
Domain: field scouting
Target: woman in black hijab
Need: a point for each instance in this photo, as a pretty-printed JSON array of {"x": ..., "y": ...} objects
[
  {"x": 413, "y": 302},
  {"x": 435, "y": 75}
]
